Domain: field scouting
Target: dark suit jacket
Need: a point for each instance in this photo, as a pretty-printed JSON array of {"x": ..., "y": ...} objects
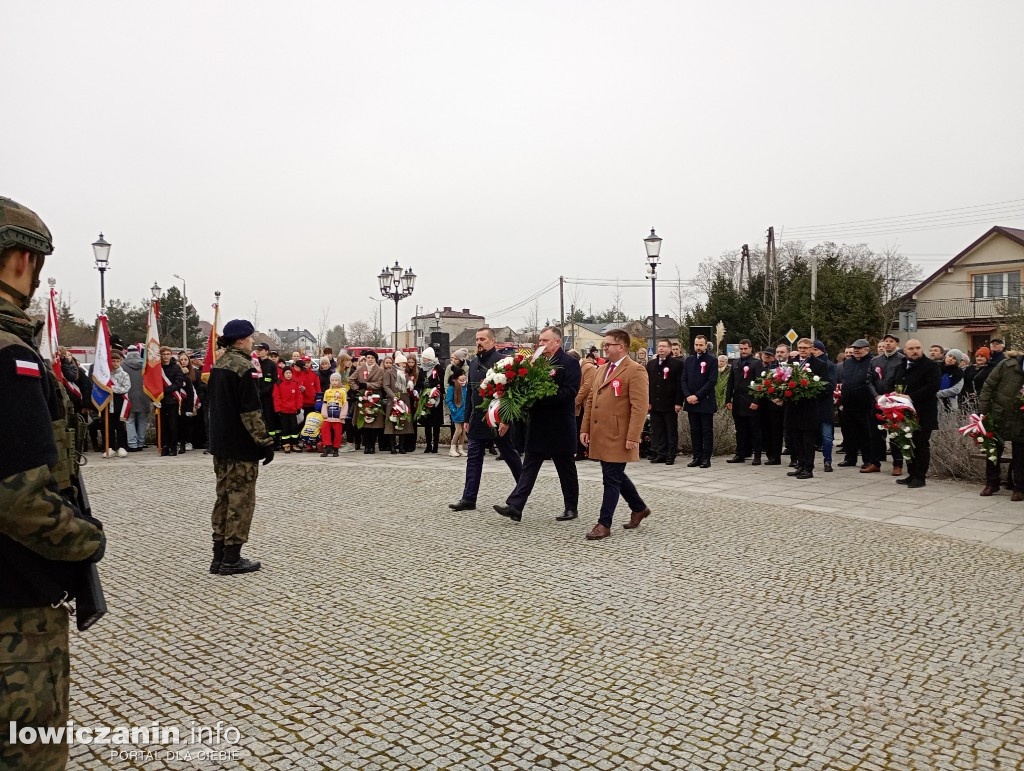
[
  {"x": 663, "y": 389},
  {"x": 742, "y": 373},
  {"x": 920, "y": 381},
  {"x": 702, "y": 385},
  {"x": 804, "y": 415},
  {"x": 552, "y": 426},
  {"x": 477, "y": 371}
]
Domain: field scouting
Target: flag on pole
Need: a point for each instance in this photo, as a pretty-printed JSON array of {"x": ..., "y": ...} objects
[
  {"x": 210, "y": 346},
  {"x": 152, "y": 369},
  {"x": 126, "y": 409},
  {"x": 102, "y": 382},
  {"x": 49, "y": 346}
]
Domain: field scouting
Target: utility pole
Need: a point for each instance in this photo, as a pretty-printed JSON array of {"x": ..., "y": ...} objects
[
  {"x": 561, "y": 302},
  {"x": 814, "y": 287}
]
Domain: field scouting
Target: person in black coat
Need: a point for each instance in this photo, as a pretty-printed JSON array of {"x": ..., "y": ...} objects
[
  {"x": 858, "y": 408},
  {"x": 770, "y": 416},
  {"x": 699, "y": 376},
  {"x": 803, "y": 415},
  {"x": 170, "y": 405},
  {"x": 664, "y": 401},
  {"x": 744, "y": 407},
  {"x": 551, "y": 433},
  {"x": 477, "y": 430},
  {"x": 827, "y": 406},
  {"x": 920, "y": 379}
]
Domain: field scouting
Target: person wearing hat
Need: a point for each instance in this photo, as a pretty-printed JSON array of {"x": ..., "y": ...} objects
[
  {"x": 882, "y": 381},
  {"x": 239, "y": 440},
  {"x": 268, "y": 379},
  {"x": 857, "y": 408},
  {"x": 952, "y": 381},
  {"x": 976, "y": 374},
  {"x": 769, "y": 415},
  {"x": 433, "y": 417},
  {"x": 920, "y": 378},
  {"x": 370, "y": 380},
  {"x": 396, "y": 389},
  {"x": 998, "y": 349}
]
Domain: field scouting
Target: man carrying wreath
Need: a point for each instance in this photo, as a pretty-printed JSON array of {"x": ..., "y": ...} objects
[{"x": 550, "y": 433}]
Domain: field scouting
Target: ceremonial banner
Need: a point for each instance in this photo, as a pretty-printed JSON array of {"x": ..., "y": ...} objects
[
  {"x": 152, "y": 370},
  {"x": 211, "y": 344},
  {"x": 102, "y": 383}
]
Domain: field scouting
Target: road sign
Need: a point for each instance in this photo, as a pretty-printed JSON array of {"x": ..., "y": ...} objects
[{"x": 792, "y": 336}]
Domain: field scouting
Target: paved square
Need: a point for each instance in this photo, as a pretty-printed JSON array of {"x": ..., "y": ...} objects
[{"x": 386, "y": 631}]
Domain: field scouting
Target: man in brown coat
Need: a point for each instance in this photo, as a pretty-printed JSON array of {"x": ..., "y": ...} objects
[
  {"x": 588, "y": 368},
  {"x": 612, "y": 425}
]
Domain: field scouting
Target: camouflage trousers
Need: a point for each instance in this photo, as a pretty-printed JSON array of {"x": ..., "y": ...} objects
[
  {"x": 34, "y": 680},
  {"x": 236, "y": 499}
]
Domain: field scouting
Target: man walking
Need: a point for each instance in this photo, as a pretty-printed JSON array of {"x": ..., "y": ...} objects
[
  {"x": 700, "y": 373},
  {"x": 238, "y": 440},
  {"x": 550, "y": 433},
  {"x": 881, "y": 381},
  {"x": 664, "y": 401},
  {"x": 476, "y": 427},
  {"x": 744, "y": 408},
  {"x": 612, "y": 426},
  {"x": 919, "y": 378}
]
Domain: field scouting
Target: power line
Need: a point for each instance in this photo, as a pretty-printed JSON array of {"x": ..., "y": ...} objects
[
  {"x": 826, "y": 236},
  {"x": 909, "y": 216}
]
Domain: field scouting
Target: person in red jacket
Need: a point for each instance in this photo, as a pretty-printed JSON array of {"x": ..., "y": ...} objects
[
  {"x": 309, "y": 384},
  {"x": 288, "y": 406}
]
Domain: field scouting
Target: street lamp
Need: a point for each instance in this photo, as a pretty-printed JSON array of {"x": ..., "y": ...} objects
[
  {"x": 653, "y": 244},
  {"x": 101, "y": 253},
  {"x": 184, "y": 313},
  {"x": 396, "y": 284},
  {"x": 437, "y": 321}
]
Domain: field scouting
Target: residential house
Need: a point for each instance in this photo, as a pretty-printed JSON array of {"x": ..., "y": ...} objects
[
  {"x": 963, "y": 303},
  {"x": 294, "y": 340},
  {"x": 467, "y": 338},
  {"x": 447, "y": 320}
]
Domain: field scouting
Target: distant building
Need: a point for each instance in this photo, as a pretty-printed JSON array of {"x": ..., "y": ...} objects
[
  {"x": 447, "y": 320},
  {"x": 467, "y": 338},
  {"x": 961, "y": 305},
  {"x": 294, "y": 340},
  {"x": 582, "y": 336}
]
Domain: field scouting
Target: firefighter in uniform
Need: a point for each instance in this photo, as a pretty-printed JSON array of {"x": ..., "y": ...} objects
[
  {"x": 238, "y": 441},
  {"x": 46, "y": 542},
  {"x": 268, "y": 379}
]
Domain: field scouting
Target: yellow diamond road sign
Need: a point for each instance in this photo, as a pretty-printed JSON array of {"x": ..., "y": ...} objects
[{"x": 792, "y": 336}]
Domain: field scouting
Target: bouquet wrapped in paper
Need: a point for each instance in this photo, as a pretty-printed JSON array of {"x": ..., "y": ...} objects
[
  {"x": 899, "y": 420},
  {"x": 368, "y": 408},
  {"x": 984, "y": 437},
  {"x": 399, "y": 414},
  {"x": 514, "y": 384},
  {"x": 788, "y": 382}
]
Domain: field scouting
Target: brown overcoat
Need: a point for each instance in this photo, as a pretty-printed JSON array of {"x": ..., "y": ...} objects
[
  {"x": 613, "y": 420},
  {"x": 588, "y": 369},
  {"x": 371, "y": 380},
  {"x": 394, "y": 382}
]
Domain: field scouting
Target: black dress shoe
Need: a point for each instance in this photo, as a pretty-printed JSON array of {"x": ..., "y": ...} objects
[
  {"x": 736, "y": 459},
  {"x": 756, "y": 461},
  {"x": 705, "y": 464},
  {"x": 492, "y": 451},
  {"x": 805, "y": 474},
  {"x": 773, "y": 462},
  {"x": 904, "y": 481},
  {"x": 847, "y": 463},
  {"x": 794, "y": 473},
  {"x": 670, "y": 461},
  {"x": 828, "y": 466},
  {"x": 462, "y": 505},
  {"x": 794, "y": 464},
  {"x": 693, "y": 463},
  {"x": 566, "y": 515},
  {"x": 657, "y": 459},
  {"x": 507, "y": 511},
  {"x": 915, "y": 483}
]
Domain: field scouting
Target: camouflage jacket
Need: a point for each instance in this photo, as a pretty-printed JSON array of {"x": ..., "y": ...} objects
[
  {"x": 237, "y": 430},
  {"x": 44, "y": 539}
]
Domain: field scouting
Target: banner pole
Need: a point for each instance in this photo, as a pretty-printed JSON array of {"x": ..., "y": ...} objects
[
  {"x": 106, "y": 429},
  {"x": 159, "y": 441}
]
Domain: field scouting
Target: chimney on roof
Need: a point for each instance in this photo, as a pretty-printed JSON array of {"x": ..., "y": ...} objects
[
  {"x": 447, "y": 308},
  {"x": 466, "y": 311}
]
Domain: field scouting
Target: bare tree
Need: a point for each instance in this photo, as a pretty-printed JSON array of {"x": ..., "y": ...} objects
[
  {"x": 680, "y": 297},
  {"x": 361, "y": 333},
  {"x": 531, "y": 330},
  {"x": 255, "y": 313},
  {"x": 323, "y": 325}
]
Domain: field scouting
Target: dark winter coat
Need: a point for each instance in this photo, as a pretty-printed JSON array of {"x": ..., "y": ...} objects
[
  {"x": 920, "y": 381},
  {"x": 974, "y": 379},
  {"x": 826, "y": 400},
  {"x": 1000, "y": 400},
  {"x": 742, "y": 372},
  {"x": 694, "y": 382},
  {"x": 477, "y": 371},
  {"x": 804, "y": 414},
  {"x": 663, "y": 387},
  {"x": 237, "y": 430},
  {"x": 432, "y": 378},
  {"x": 884, "y": 369},
  {"x": 174, "y": 383},
  {"x": 854, "y": 377},
  {"x": 551, "y": 429}
]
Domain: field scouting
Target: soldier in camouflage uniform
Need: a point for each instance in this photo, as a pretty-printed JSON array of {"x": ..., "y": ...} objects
[
  {"x": 238, "y": 440},
  {"x": 46, "y": 542}
]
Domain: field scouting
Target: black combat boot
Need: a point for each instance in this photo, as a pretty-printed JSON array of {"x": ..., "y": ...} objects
[
  {"x": 218, "y": 556},
  {"x": 233, "y": 562}
]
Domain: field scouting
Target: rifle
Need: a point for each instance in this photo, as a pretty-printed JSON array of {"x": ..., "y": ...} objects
[{"x": 90, "y": 604}]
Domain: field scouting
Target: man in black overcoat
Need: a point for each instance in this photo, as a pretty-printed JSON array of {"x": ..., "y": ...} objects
[
  {"x": 700, "y": 373},
  {"x": 802, "y": 415},
  {"x": 744, "y": 408},
  {"x": 919, "y": 378},
  {"x": 550, "y": 433},
  {"x": 664, "y": 401}
]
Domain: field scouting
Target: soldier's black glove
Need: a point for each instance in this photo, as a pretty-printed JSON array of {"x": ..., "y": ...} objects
[{"x": 268, "y": 455}]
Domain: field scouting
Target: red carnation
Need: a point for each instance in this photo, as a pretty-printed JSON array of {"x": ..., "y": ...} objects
[
  {"x": 760, "y": 387},
  {"x": 789, "y": 393},
  {"x": 791, "y": 384},
  {"x": 803, "y": 382},
  {"x": 771, "y": 389},
  {"x": 518, "y": 359},
  {"x": 522, "y": 372}
]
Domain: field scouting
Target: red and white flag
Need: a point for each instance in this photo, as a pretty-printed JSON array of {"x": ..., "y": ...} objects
[
  {"x": 126, "y": 409},
  {"x": 152, "y": 369},
  {"x": 211, "y": 344}
]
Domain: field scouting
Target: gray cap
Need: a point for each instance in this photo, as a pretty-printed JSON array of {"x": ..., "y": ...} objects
[
  {"x": 955, "y": 353},
  {"x": 861, "y": 343}
]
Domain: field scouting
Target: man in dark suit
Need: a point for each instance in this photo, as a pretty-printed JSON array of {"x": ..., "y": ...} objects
[
  {"x": 550, "y": 433},
  {"x": 802, "y": 416},
  {"x": 700, "y": 373},
  {"x": 476, "y": 427},
  {"x": 769, "y": 415},
  {"x": 664, "y": 401},
  {"x": 738, "y": 400},
  {"x": 919, "y": 378}
]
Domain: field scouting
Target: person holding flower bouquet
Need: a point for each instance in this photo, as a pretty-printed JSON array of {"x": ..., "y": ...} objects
[
  {"x": 920, "y": 379},
  {"x": 801, "y": 415},
  {"x": 398, "y": 406},
  {"x": 369, "y": 384},
  {"x": 1000, "y": 404},
  {"x": 432, "y": 416}
]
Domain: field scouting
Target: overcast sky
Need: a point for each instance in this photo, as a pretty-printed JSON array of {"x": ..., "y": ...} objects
[{"x": 284, "y": 152}]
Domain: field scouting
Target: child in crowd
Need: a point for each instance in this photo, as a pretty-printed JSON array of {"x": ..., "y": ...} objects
[
  {"x": 118, "y": 413},
  {"x": 333, "y": 411},
  {"x": 455, "y": 399},
  {"x": 288, "y": 405}
]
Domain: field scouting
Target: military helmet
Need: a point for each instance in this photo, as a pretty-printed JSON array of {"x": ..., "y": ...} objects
[{"x": 22, "y": 227}]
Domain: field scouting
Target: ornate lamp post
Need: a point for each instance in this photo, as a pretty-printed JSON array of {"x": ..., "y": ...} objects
[
  {"x": 396, "y": 284},
  {"x": 101, "y": 253},
  {"x": 653, "y": 244}
]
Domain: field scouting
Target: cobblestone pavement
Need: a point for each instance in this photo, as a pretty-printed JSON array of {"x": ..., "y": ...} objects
[{"x": 386, "y": 631}]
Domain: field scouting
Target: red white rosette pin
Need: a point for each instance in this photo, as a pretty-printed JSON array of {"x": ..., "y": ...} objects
[
  {"x": 617, "y": 386},
  {"x": 664, "y": 374}
]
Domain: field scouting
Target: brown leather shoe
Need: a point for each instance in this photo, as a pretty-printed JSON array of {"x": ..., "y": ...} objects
[
  {"x": 897, "y": 471},
  {"x": 635, "y": 518},
  {"x": 1017, "y": 496},
  {"x": 599, "y": 532},
  {"x": 989, "y": 490},
  {"x": 870, "y": 469}
]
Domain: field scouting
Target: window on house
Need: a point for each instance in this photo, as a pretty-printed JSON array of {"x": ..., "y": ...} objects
[{"x": 997, "y": 285}]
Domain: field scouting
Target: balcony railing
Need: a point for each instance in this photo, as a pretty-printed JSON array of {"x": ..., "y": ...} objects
[{"x": 964, "y": 308}]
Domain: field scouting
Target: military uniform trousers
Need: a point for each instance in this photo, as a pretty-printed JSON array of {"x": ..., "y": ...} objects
[
  {"x": 35, "y": 674},
  {"x": 236, "y": 499}
]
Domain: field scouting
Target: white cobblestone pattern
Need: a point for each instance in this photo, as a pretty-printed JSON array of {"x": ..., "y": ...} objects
[{"x": 387, "y": 632}]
